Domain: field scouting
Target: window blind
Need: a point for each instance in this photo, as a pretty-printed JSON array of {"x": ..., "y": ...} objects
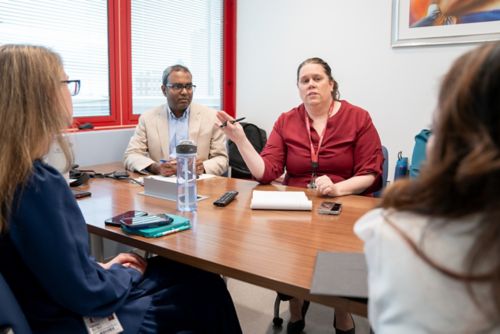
[
  {"x": 172, "y": 32},
  {"x": 78, "y": 31}
]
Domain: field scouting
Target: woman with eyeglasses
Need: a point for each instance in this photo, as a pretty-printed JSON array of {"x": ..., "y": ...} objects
[
  {"x": 44, "y": 253},
  {"x": 324, "y": 143},
  {"x": 433, "y": 248}
]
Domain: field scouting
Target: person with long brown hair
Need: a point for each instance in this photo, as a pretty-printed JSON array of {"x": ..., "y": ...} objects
[
  {"x": 433, "y": 248},
  {"x": 44, "y": 252}
]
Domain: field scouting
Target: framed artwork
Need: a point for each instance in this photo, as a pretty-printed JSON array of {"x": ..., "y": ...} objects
[{"x": 431, "y": 22}]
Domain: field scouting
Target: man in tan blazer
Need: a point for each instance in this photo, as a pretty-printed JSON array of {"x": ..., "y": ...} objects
[{"x": 152, "y": 147}]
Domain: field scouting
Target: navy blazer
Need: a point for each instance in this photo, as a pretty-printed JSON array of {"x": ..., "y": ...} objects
[{"x": 45, "y": 259}]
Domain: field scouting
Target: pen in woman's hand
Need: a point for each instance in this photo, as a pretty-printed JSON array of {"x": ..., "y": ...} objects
[{"x": 232, "y": 122}]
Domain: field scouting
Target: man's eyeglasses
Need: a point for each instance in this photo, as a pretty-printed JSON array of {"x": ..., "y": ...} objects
[
  {"x": 177, "y": 87},
  {"x": 73, "y": 86}
]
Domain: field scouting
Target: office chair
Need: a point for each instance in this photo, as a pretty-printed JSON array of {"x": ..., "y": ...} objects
[
  {"x": 258, "y": 138},
  {"x": 11, "y": 315},
  {"x": 385, "y": 172},
  {"x": 277, "y": 320}
]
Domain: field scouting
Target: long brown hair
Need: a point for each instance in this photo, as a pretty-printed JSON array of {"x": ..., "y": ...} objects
[
  {"x": 462, "y": 174},
  {"x": 32, "y": 113}
]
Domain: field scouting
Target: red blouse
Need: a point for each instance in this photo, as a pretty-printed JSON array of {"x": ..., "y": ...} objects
[{"x": 351, "y": 147}]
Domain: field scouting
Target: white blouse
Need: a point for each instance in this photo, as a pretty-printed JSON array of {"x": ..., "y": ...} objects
[{"x": 407, "y": 295}]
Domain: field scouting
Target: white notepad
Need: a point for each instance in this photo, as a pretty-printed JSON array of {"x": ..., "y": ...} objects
[{"x": 280, "y": 200}]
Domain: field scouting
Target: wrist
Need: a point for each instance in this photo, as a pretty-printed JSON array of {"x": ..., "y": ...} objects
[
  {"x": 154, "y": 168},
  {"x": 336, "y": 191},
  {"x": 244, "y": 143}
]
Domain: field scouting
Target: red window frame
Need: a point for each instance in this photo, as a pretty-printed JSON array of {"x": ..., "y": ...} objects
[
  {"x": 120, "y": 66},
  {"x": 229, "y": 58}
]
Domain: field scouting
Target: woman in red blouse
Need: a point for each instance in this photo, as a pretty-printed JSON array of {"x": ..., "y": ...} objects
[{"x": 324, "y": 143}]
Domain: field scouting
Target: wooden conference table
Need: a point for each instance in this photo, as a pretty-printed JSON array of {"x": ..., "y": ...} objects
[{"x": 272, "y": 249}]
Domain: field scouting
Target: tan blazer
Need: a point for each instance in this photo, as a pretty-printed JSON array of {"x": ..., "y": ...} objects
[{"x": 150, "y": 142}]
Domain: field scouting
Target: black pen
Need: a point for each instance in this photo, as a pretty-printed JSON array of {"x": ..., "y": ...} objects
[{"x": 232, "y": 122}]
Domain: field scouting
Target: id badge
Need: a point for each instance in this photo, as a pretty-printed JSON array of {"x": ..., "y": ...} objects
[
  {"x": 311, "y": 184},
  {"x": 108, "y": 325}
]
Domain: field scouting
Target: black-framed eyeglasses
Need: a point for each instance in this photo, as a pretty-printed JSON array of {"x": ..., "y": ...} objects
[
  {"x": 177, "y": 87},
  {"x": 73, "y": 86}
]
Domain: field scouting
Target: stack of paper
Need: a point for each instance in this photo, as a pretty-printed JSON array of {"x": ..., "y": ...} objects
[
  {"x": 166, "y": 187},
  {"x": 280, "y": 200},
  {"x": 160, "y": 186}
]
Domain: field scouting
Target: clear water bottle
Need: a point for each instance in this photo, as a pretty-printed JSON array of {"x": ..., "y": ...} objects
[{"x": 186, "y": 176}]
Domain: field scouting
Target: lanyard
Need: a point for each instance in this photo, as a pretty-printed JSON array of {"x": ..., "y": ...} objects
[{"x": 315, "y": 153}]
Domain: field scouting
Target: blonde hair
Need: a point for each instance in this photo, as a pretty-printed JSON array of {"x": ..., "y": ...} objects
[{"x": 33, "y": 114}]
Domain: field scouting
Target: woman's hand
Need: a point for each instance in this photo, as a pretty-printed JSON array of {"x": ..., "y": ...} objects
[
  {"x": 129, "y": 260},
  {"x": 233, "y": 131},
  {"x": 354, "y": 185},
  {"x": 326, "y": 187}
]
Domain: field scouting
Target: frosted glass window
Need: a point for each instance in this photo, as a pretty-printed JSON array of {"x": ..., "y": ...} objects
[
  {"x": 172, "y": 32},
  {"x": 78, "y": 31}
]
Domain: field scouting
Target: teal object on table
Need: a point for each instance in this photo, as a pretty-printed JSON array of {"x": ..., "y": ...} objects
[{"x": 179, "y": 223}]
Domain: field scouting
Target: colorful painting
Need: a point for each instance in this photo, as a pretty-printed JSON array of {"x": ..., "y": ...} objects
[
  {"x": 424, "y": 13},
  {"x": 426, "y": 22}
]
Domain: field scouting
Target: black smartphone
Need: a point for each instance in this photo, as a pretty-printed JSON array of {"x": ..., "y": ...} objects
[
  {"x": 330, "y": 208},
  {"x": 116, "y": 220},
  {"x": 120, "y": 174},
  {"x": 146, "y": 221}
]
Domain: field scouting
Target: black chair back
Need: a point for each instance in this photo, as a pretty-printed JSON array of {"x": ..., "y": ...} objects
[
  {"x": 385, "y": 172},
  {"x": 257, "y": 138}
]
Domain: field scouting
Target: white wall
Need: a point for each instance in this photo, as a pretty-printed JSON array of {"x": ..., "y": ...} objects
[{"x": 397, "y": 86}]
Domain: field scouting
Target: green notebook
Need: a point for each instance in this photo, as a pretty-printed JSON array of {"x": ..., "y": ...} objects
[{"x": 179, "y": 224}]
